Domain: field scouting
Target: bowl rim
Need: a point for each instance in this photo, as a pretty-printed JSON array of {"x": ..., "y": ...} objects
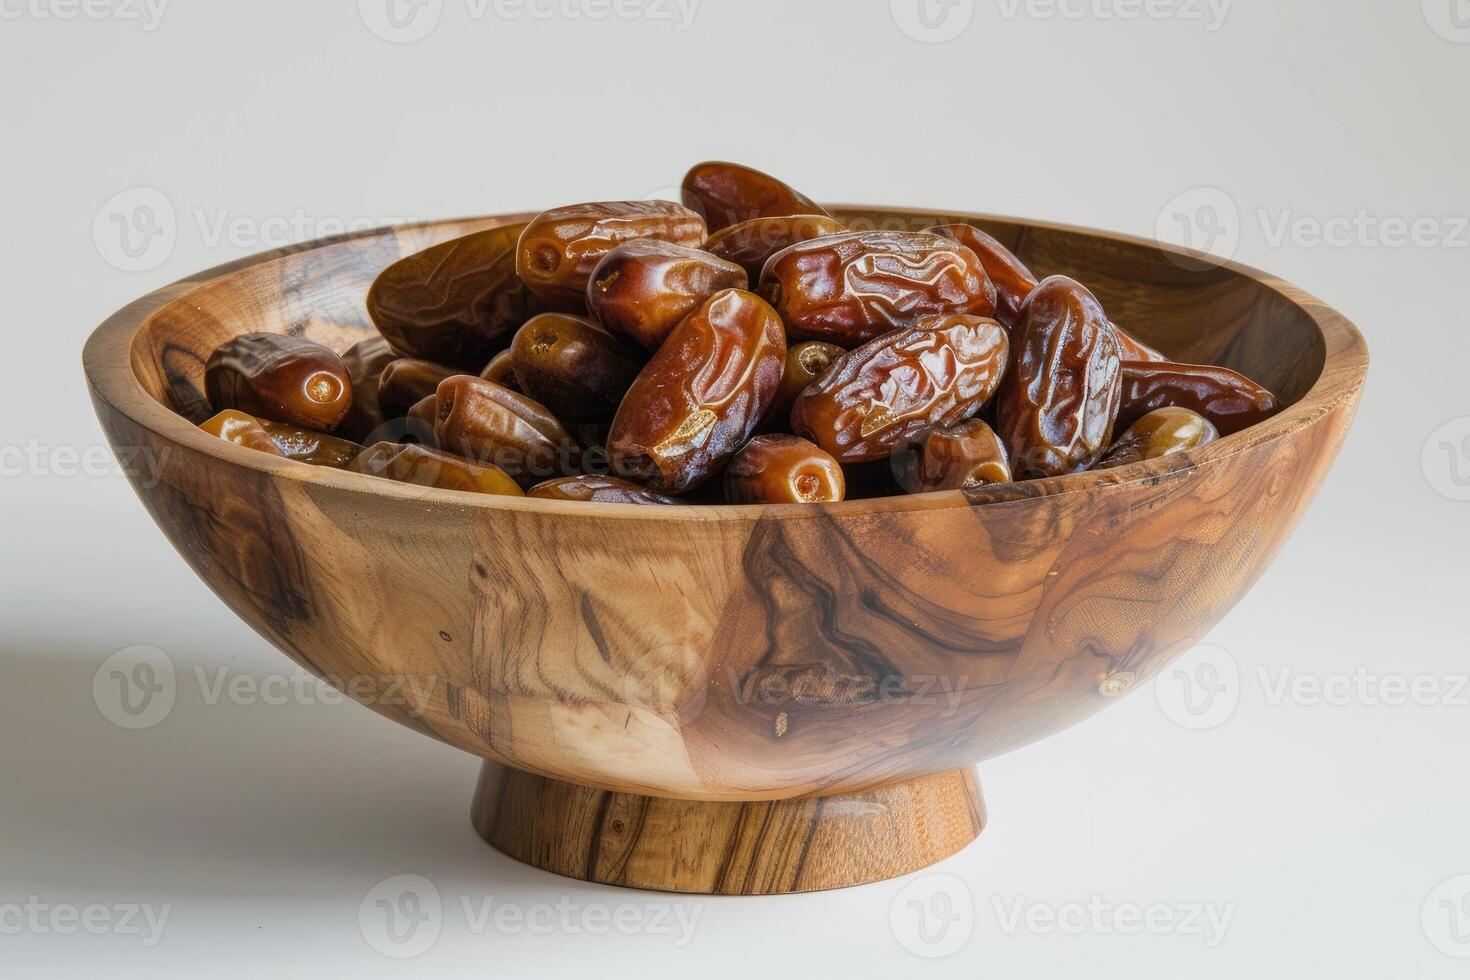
[{"x": 107, "y": 363}]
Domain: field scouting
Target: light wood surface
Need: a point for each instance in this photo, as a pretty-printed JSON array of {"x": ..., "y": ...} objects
[{"x": 716, "y": 653}]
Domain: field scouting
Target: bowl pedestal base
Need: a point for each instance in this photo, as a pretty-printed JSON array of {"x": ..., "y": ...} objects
[{"x": 727, "y": 848}]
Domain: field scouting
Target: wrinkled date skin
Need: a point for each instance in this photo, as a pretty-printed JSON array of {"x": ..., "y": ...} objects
[
  {"x": 560, "y": 248},
  {"x": 805, "y": 363},
  {"x": 1162, "y": 432},
  {"x": 241, "y": 429},
  {"x": 751, "y": 243},
  {"x": 642, "y": 290},
  {"x": 886, "y": 393},
  {"x": 597, "y": 490},
  {"x": 700, "y": 397},
  {"x": 407, "y": 381},
  {"x": 281, "y": 378},
  {"x": 427, "y": 467},
  {"x": 572, "y": 366},
  {"x": 456, "y": 303},
  {"x": 486, "y": 423},
  {"x": 849, "y": 288},
  {"x": 960, "y": 457},
  {"x": 1229, "y": 400},
  {"x": 1057, "y": 409},
  {"x": 779, "y": 469},
  {"x": 728, "y": 193},
  {"x": 365, "y": 361},
  {"x": 310, "y": 446}
]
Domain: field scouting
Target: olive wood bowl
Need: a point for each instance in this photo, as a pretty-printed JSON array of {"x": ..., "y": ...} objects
[{"x": 723, "y": 699}]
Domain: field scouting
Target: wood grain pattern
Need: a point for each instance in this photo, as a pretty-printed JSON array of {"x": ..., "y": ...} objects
[{"x": 732, "y": 654}]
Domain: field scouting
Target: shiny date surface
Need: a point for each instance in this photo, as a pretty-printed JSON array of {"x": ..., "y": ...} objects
[
  {"x": 729, "y": 193},
  {"x": 487, "y": 423},
  {"x": 1162, "y": 432},
  {"x": 959, "y": 457},
  {"x": 1230, "y": 400},
  {"x": 751, "y": 243},
  {"x": 597, "y": 490},
  {"x": 280, "y": 378},
  {"x": 641, "y": 290},
  {"x": 428, "y": 467},
  {"x": 782, "y": 469},
  {"x": 559, "y": 249},
  {"x": 578, "y": 370}
]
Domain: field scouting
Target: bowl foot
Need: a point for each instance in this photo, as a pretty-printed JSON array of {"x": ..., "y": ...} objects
[{"x": 734, "y": 848}]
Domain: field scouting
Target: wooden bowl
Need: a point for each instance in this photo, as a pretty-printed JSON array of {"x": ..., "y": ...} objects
[{"x": 724, "y": 699}]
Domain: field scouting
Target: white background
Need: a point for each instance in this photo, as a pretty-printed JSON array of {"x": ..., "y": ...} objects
[{"x": 1330, "y": 834}]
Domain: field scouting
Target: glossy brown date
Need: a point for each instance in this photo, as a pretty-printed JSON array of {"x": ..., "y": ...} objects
[
  {"x": 427, "y": 467},
  {"x": 575, "y": 368},
  {"x": 310, "y": 446},
  {"x": 560, "y": 248},
  {"x": 779, "y": 469},
  {"x": 728, "y": 193},
  {"x": 849, "y": 288},
  {"x": 751, "y": 243},
  {"x": 958, "y": 457},
  {"x": 1162, "y": 432},
  {"x": 805, "y": 363},
  {"x": 486, "y": 423},
  {"x": 242, "y": 430},
  {"x": 698, "y": 400},
  {"x": 887, "y": 392},
  {"x": 1013, "y": 280},
  {"x": 597, "y": 490},
  {"x": 1057, "y": 409},
  {"x": 502, "y": 371},
  {"x": 365, "y": 361},
  {"x": 420, "y": 421},
  {"x": 407, "y": 381},
  {"x": 642, "y": 290},
  {"x": 456, "y": 303},
  {"x": 1229, "y": 400},
  {"x": 281, "y": 378}
]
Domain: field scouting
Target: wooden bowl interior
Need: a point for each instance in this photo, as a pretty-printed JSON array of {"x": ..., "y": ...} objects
[{"x": 1197, "y": 314}]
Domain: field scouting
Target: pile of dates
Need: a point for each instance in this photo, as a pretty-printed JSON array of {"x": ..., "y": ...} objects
[{"x": 744, "y": 346}]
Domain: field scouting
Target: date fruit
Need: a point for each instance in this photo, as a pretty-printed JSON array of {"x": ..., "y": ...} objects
[
  {"x": 642, "y": 290},
  {"x": 849, "y": 288},
  {"x": 281, "y": 378},
  {"x": 1229, "y": 400},
  {"x": 241, "y": 429},
  {"x": 365, "y": 361},
  {"x": 728, "y": 193},
  {"x": 959, "y": 457},
  {"x": 407, "y": 381},
  {"x": 750, "y": 243},
  {"x": 575, "y": 368},
  {"x": 779, "y": 469},
  {"x": 486, "y": 423},
  {"x": 1057, "y": 409},
  {"x": 1162, "y": 432},
  {"x": 805, "y": 363},
  {"x": 597, "y": 490},
  {"x": 1013, "y": 280},
  {"x": 560, "y": 248},
  {"x": 426, "y": 467},
  {"x": 456, "y": 303},
  {"x": 501, "y": 370},
  {"x": 699, "y": 399},
  {"x": 310, "y": 446},
  {"x": 887, "y": 392}
]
